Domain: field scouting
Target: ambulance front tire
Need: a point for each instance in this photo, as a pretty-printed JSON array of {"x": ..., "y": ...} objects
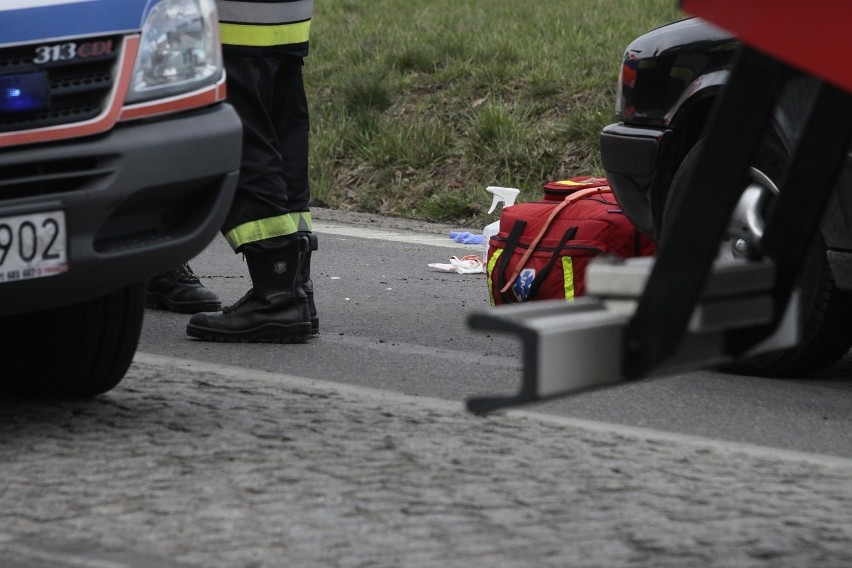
[
  {"x": 74, "y": 351},
  {"x": 825, "y": 310}
]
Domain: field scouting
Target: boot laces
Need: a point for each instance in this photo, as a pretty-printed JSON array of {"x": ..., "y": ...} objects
[
  {"x": 185, "y": 275},
  {"x": 246, "y": 299}
]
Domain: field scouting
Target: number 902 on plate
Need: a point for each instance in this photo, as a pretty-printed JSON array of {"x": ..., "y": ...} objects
[{"x": 33, "y": 246}]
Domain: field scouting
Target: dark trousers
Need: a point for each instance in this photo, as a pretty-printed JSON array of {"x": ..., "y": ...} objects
[{"x": 269, "y": 95}]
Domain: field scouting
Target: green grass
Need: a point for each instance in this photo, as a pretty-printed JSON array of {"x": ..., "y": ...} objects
[{"x": 418, "y": 105}]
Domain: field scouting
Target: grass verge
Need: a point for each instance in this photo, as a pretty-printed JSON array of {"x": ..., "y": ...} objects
[{"x": 418, "y": 105}]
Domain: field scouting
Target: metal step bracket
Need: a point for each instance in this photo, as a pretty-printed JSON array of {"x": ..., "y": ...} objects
[
  {"x": 571, "y": 347},
  {"x": 566, "y": 347}
]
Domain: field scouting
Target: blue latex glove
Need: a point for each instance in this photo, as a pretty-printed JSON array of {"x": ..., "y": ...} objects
[{"x": 466, "y": 238}]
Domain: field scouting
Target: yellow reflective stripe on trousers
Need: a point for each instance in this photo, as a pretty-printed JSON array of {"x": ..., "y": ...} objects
[
  {"x": 489, "y": 270},
  {"x": 280, "y": 226},
  {"x": 568, "y": 275},
  {"x": 264, "y": 35}
]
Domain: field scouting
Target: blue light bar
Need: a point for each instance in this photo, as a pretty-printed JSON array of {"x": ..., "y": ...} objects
[{"x": 24, "y": 92}]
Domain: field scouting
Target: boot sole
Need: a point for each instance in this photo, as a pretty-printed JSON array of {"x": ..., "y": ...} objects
[
  {"x": 160, "y": 302},
  {"x": 264, "y": 334}
]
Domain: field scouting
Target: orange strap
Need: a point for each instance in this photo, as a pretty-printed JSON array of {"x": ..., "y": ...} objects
[{"x": 569, "y": 199}]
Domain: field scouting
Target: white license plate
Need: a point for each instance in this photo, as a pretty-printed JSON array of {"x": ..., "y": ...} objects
[{"x": 33, "y": 246}]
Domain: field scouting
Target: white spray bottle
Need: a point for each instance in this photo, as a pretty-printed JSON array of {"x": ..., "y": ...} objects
[{"x": 505, "y": 194}]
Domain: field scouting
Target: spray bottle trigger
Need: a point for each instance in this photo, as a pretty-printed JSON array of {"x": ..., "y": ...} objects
[{"x": 505, "y": 194}]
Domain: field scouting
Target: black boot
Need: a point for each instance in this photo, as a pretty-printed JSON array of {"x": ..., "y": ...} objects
[
  {"x": 275, "y": 310},
  {"x": 180, "y": 290},
  {"x": 308, "y": 243}
]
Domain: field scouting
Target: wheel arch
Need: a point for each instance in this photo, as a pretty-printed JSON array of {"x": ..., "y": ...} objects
[{"x": 687, "y": 126}]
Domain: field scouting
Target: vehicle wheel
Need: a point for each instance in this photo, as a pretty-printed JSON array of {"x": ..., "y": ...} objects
[
  {"x": 74, "y": 351},
  {"x": 825, "y": 310}
]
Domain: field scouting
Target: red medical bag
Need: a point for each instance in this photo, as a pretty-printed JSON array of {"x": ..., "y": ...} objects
[{"x": 543, "y": 247}]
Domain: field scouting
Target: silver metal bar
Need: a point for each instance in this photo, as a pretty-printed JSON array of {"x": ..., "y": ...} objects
[{"x": 569, "y": 347}]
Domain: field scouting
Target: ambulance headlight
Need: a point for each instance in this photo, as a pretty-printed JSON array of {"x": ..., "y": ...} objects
[{"x": 179, "y": 50}]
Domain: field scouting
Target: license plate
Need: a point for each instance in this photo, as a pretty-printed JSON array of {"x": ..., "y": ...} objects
[{"x": 33, "y": 246}]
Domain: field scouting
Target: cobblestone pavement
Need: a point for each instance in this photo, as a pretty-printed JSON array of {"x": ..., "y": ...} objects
[{"x": 187, "y": 464}]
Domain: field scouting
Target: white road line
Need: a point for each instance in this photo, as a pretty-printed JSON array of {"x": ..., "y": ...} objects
[
  {"x": 372, "y": 395},
  {"x": 399, "y": 236}
]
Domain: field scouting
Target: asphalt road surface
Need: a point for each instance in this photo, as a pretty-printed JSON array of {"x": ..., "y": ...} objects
[
  {"x": 354, "y": 450},
  {"x": 389, "y": 321}
]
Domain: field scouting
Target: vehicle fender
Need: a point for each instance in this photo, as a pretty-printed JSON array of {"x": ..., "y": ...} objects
[{"x": 703, "y": 86}]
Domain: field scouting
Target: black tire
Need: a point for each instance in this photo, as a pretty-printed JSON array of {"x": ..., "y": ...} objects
[
  {"x": 825, "y": 311},
  {"x": 74, "y": 351}
]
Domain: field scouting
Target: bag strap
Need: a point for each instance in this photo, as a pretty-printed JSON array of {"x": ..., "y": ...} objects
[
  {"x": 569, "y": 199},
  {"x": 511, "y": 244},
  {"x": 545, "y": 271}
]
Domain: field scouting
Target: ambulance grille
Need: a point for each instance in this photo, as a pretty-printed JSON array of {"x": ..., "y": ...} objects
[
  {"x": 53, "y": 176},
  {"x": 71, "y": 84}
]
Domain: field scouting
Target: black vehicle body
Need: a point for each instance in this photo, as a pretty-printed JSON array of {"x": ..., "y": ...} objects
[
  {"x": 669, "y": 79},
  {"x": 668, "y": 83}
]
